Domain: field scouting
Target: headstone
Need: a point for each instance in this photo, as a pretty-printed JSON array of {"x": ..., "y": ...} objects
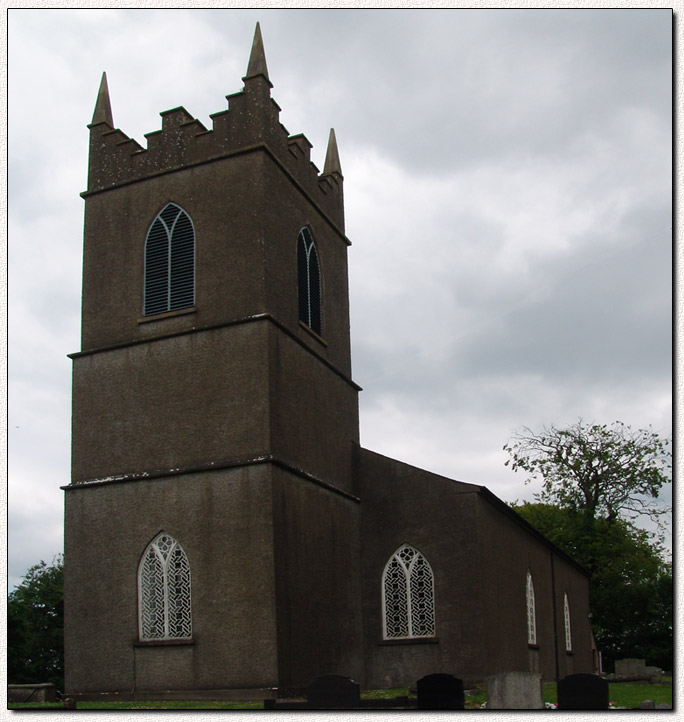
[
  {"x": 582, "y": 691},
  {"x": 630, "y": 667},
  {"x": 333, "y": 691},
  {"x": 440, "y": 691},
  {"x": 647, "y": 704},
  {"x": 515, "y": 690}
]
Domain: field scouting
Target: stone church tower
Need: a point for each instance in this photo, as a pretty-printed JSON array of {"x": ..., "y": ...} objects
[
  {"x": 224, "y": 530},
  {"x": 213, "y": 404}
]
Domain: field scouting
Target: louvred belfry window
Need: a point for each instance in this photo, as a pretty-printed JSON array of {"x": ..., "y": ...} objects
[
  {"x": 169, "y": 262},
  {"x": 408, "y": 596},
  {"x": 164, "y": 591},
  {"x": 309, "y": 281}
]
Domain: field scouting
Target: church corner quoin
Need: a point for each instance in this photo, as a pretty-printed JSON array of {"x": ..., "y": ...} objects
[{"x": 226, "y": 536}]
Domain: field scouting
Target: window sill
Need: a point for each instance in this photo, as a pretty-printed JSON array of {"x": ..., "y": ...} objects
[
  {"x": 168, "y": 314},
  {"x": 410, "y": 640},
  {"x": 312, "y": 333},
  {"x": 186, "y": 641}
]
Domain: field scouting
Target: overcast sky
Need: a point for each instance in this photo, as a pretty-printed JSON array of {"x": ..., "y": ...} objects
[{"x": 508, "y": 198}]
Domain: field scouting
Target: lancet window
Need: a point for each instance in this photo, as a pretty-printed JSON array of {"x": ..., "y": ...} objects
[
  {"x": 164, "y": 591},
  {"x": 531, "y": 613},
  {"x": 309, "y": 281},
  {"x": 566, "y": 617},
  {"x": 169, "y": 262},
  {"x": 408, "y": 596}
]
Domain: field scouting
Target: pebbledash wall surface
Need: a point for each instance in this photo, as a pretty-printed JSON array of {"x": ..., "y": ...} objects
[{"x": 225, "y": 534}]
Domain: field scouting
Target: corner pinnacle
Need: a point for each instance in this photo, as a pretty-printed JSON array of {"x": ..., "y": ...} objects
[
  {"x": 332, "y": 157},
  {"x": 103, "y": 108},
  {"x": 257, "y": 58}
]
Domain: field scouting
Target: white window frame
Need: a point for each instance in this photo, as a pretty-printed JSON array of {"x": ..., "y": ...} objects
[
  {"x": 531, "y": 610},
  {"x": 568, "y": 627},
  {"x": 186, "y": 600},
  {"x": 407, "y": 570}
]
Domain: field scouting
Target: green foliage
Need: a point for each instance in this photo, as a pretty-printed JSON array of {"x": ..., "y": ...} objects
[
  {"x": 35, "y": 621},
  {"x": 630, "y": 590},
  {"x": 602, "y": 471}
]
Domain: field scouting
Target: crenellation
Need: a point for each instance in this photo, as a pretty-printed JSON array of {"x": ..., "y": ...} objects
[
  {"x": 130, "y": 146},
  {"x": 115, "y": 137},
  {"x": 174, "y": 117},
  {"x": 251, "y": 119},
  {"x": 299, "y": 146}
]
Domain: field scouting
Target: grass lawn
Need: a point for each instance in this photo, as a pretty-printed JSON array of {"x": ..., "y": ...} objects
[
  {"x": 152, "y": 704},
  {"x": 623, "y": 694},
  {"x": 626, "y": 694}
]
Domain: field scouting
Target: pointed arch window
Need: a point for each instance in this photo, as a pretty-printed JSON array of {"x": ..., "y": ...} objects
[
  {"x": 169, "y": 262},
  {"x": 164, "y": 591},
  {"x": 531, "y": 613},
  {"x": 408, "y": 596},
  {"x": 566, "y": 617},
  {"x": 309, "y": 281}
]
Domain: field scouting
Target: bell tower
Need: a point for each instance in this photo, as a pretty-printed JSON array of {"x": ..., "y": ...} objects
[{"x": 214, "y": 414}]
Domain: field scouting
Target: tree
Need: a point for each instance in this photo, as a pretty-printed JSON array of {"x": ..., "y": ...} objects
[
  {"x": 630, "y": 588},
  {"x": 35, "y": 622},
  {"x": 601, "y": 471}
]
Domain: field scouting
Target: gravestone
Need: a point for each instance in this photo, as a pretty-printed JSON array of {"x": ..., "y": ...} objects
[
  {"x": 440, "y": 691},
  {"x": 630, "y": 667},
  {"x": 515, "y": 690},
  {"x": 582, "y": 691},
  {"x": 333, "y": 691}
]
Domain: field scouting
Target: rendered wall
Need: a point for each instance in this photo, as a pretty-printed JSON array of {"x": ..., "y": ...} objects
[
  {"x": 223, "y": 522},
  {"x": 175, "y": 403},
  {"x": 508, "y": 551},
  {"x": 569, "y": 580},
  {"x": 314, "y": 413},
  {"x": 287, "y": 210},
  {"x": 225, "y": 200},
  {"x": 403, "y": 504},
  {"x": 318, "y": 585}
]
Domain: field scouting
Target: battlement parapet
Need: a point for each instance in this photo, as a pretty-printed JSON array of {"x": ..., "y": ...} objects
[{"x": 251, "y": 121}]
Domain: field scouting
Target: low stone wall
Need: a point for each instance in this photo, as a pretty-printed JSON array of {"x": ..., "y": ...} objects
[{"x": 31, "y": 693}]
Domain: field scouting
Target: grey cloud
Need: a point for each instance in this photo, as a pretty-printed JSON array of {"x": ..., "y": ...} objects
[{"x": 492, "y": 84}]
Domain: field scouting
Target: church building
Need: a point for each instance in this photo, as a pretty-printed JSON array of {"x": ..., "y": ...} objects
[{"x": 226, "y": 535}]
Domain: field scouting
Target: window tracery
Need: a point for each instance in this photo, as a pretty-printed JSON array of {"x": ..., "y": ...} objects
[
  {"x": 531, "y": 613},
  {"x": 309, "y": 281},
  {"x": 169, "y": 262},
  {"x": 164, "y": 591},
  {"x": 566, "y": 617},
  {"x": 408, "y": 596}
]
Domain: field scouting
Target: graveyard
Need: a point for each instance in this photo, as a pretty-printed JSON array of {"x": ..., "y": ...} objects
[{"x": 617, "y": 693}]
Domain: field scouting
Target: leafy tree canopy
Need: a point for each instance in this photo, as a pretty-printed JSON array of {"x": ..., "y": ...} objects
[
  {"x": 35, "y": 621},
  {"x": 602, "y": 471}
]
